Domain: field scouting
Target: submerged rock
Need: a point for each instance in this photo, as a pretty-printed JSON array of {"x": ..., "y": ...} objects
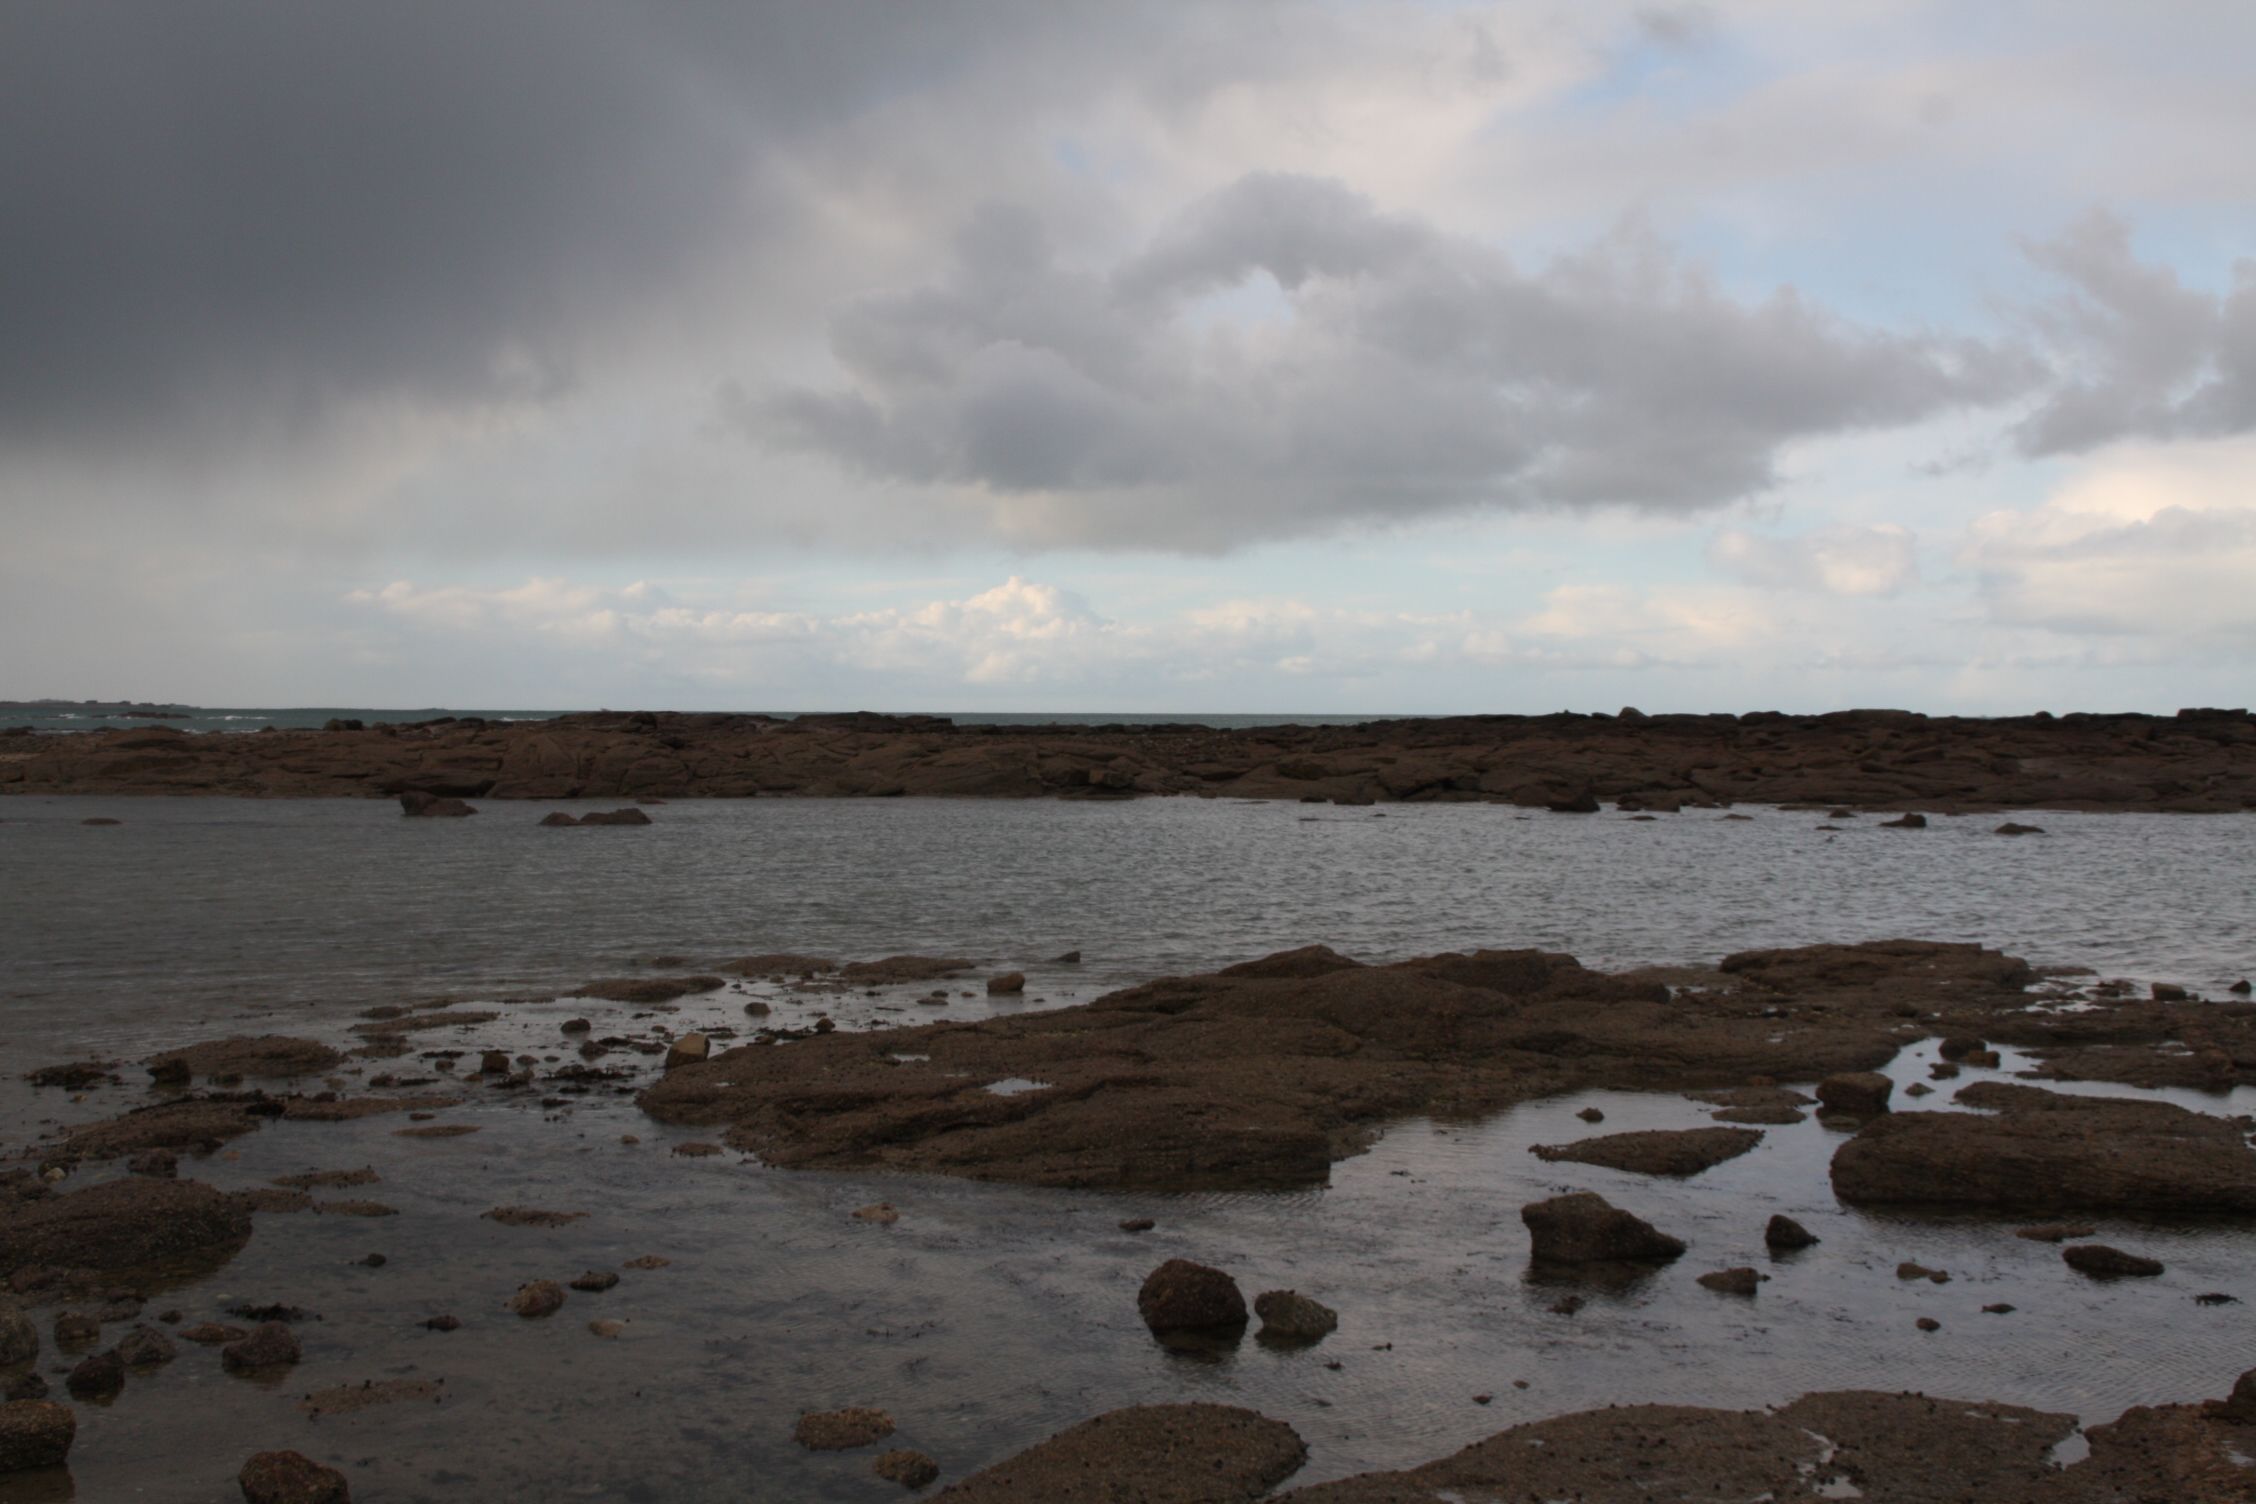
[
  {"x": 238, "y": 1055},
  {"x": 418, "y": 804},
  {"x": 1148, "y": 1454},
  {"x": 269, "y": 1347},
  {"x": 1184, "y": 1296},
  {"x": 97, "y": 1377},
  {"x": 540, "y": 1297},
  {"x": 841, "y": 1430},
  {"x": 1585, "y": 1228},
  {"x": 291, "y": 1478},
  {"x": 1740, "y": 1281},
  {"x": 2103, "y": 1262},
  {"x": 19, "y": 1336},
  {"x": 146, "y": 1347},
  {"x": 907, "y": 1468},
  {"x": 1678, "y": 1152}
]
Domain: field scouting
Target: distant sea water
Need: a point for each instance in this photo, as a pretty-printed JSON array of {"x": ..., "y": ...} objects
[{"x": 59, "y": 715}]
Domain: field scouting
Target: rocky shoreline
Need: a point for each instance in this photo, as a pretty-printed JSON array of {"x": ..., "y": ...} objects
[
  {"x": 2198, "y": 761},
  {"x": 1259, "y": 1076}
]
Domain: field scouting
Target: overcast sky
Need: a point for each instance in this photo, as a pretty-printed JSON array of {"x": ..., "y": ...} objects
[{"x": 1260, "y": 355}]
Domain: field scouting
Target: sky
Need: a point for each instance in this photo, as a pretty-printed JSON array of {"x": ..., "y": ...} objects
[{"x": 1331, "y": 356}]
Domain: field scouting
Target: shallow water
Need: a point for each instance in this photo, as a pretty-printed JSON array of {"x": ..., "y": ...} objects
[{"x": 988, "y": 1317}]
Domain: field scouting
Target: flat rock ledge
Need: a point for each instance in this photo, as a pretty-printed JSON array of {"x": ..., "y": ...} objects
[
  {"x": 1146, "y": 1454},
  {"x": 1262, "y": 1074},
  {"x": 2049, "y": 1152}
]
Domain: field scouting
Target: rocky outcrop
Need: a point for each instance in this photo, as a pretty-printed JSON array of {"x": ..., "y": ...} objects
[
  {"x": 1678, "y": 1152},
  {"x": 2046, "y": 1152},
  {"x": 1264, "y": 1073},
  {"x": 1150, "y": 1454},
  {"x": 1878, "y": 760},
  {"x": 1583, "y": 1227},
  {"x": 133, "y": 1228}
]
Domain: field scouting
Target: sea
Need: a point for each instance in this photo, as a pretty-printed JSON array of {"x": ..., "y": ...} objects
[
  {"x": 991, "y": 1316},
  {"x": 92, "y": 715}
]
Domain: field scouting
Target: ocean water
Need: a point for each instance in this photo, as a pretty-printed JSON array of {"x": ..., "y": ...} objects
[
  {"x": 990, "y": 1316},
  {"x": 95, "y": 716}
]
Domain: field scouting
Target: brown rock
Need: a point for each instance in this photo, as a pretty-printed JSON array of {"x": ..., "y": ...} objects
[
  {"x": 628, "y": 816},
  {"x": 263, "y": 1055},
  {"x": 2054, "y": 1232},
  {"x": 2050, "y": 1152},
  {"x": 688, "y": 1050},
  {"x": 1910, "y": 1270},
  {"x": 19, "y": 1337},
  {"x": 1584, "y": 1228},
  {"x": 1289, "y": 1316},
  {"x": 1148, "y": 1454},
  {"x": 98, "y": 1377},
  {"x": 1784, "y": 1234},
  {"x": 907, "y": 1468},
  {"x": 212, "y": 1333},
  {"x": 271, "y": 1346},
  {"x": 595, "y": 1281},
  {"x": 1008, "y": 982},
  {"x": 291, "y": 1478},
  {"x": 647, "y": 989},
  {"x": 540, "y": 1297},
  {"x": 351, "y": 1208},
  {"x": 1184, "y": 1296},
  {"x": 1739, "y": 1281},
  {"x": 530, "y": 1216},
  {"x": 1678, "y": 1152},
  {"x": 2014, "y": 828},
  {"x": 125, "y": 1228},
  {"x": 35, "y": 1434},
  {"x": 2103, "y": 1262},
  {"x": 146, "y": 1347},
  {"x": 559, "y": 819},
  {"x": 841, "y": 1430},
  {"x": 881, "y": 1212},
  {"x": 1858, "y": 1093},
  {"x": 76, "y": 1329},
  {"x": 1906, "y": 822}
]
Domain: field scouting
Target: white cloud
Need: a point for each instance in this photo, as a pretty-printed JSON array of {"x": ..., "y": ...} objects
[{"x": 1841, "y": 560}]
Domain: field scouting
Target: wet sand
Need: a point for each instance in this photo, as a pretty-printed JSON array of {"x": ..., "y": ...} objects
[{"x": 983, "y": 1317}]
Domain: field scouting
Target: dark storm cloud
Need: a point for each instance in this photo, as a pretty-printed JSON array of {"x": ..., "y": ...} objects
[
  {"x": 1416, "y": 372},
  {"x": 264, "y": 206}
]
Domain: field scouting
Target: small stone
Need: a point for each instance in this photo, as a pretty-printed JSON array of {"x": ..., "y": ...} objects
[
  {"x": 697, "y": 1150},
  {"x": 2241, "y": 988},
  {"x": 97, "y": 1378},
  {"x": 1906, "y": 822},
  {"x": 2054, "y": 1232},
  {"x": 443, "y": 1324},
  {"x": 2103, "y": 1262},
  {"x": 19, "y": 1338},
  {"x": 1009, "y": 982},
  {"x": 1739, "y": 1281},
  {"x": 35, "y": 1434},
  {"x": 2216, "y": 1298},
  {"x": 576, "y": 1026},
  {"x": 374, "y": 1261},
  {"x": 291, "y": 1478},
  {"x": 1984, "y": 1060},
  {"x": 76, "y": 1329},
  {"x": 2000, "y": 1308},
  {"x": 1919, "y": 1089},
  {"x": 212, "y": 1333},
  {"x": 1928, "y": 1324},
  {"x": 595, "y": 1281},
  {"x": 270, "y": 1346},
  {"x": 607, "y": 1326},
  {"x": 1138, "y": 1224},
  {"x": 841, "y": 1430},
  {"x": 494, "y": 1063},
  {"x": 907, "y": 1468},
  {"x": 649, "y": 1261},
  {"x": 688, "y": 1050},
  {"x": 2169, "y": 992},
  {"x": 1289, "y": 1316},
  {"x": 1591, "y": 1115},
  {"x": 1909, "y": 1270},
  {"x": 881, "y": 1213},
  {"x": 540, "y": 1297},
  {"x": 1567, "y": 1305}
]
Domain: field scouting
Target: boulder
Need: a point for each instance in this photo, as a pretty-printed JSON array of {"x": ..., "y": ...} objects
[
  {"x": 34, "y": 1434},
  {"x": 1906, "y": 822},
  {"x": 1783, "y": 1235},
  {"x": 540, "y": 1297},
  {"x": 1584, "y": 1228},
  {"x": 615, "y": 817},
  {"x": 291, "y": 1478},
  {"x": 2103, "y": 1262},
  {"x": 270, "y": 1347},
  {"x": 1009, "y": 982},
  {"x": 1289, "y": 1316},
  {"x": 98, "y": 1377},
  {"x": 1184, "y": 1296},
  {"x": 1678, "y": 1152},
  {"x": 688, "y": 1050},
  {"x": 1860, "y": 1094}
]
